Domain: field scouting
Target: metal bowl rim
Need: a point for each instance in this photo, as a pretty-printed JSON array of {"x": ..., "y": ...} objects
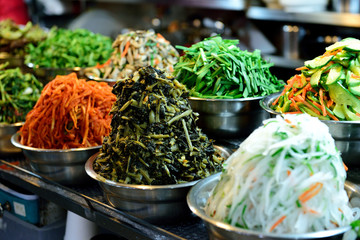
[
  {"x": 226, "y": 100},
  {"x": 17, "y": 124},
  {"x": 108, "y": 80},
  {"x": 197, "y": 210},
  {"x": 16, "y": 143},
  {"x": 90, "y": 171},
  {"x": 269, "y": 110},
  {"x": 37, "y": 67}
]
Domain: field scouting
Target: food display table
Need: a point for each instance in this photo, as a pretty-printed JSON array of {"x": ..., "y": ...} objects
[{"x": 88, "y": 201}]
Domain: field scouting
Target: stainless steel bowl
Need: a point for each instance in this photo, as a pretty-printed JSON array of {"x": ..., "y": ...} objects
[
  {"x": 153, "y": 203},
  {"x": 228, "y": 118},
  {"x": 6, "y": 131},
  {"x": 65, "y": 166},
  {"x": 197, "y": 198},
  {"x": 45, "y": 75},
  {"x": 345, "y": 133}
]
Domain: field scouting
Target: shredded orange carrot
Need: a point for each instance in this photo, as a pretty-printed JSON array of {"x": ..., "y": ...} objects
[
  {"x": 332, "y": 116},
  {"x": 127, "y": 45},
  {"x": 311, "y": 192},
  {"x": 70, "y": 113},
  {"x": 288, "y": 172},
  {"x": 293, "y": 104},
  {"x": 321, "y": 96},
  {"x": 302, "y": 100},
  {"x": 329, "y": 103},
  {"x": 301, "y": 68},
  {"x": 312, "y": 211},
  {"x": 298, "y": 112},
  {"x": 104, "y": 64},
  {"x": 277, "y": 223},
  {"x": 346, "y": 168}
]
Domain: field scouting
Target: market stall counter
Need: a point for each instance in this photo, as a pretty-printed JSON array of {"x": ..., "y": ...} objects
[{"x": 88, "y": 201}]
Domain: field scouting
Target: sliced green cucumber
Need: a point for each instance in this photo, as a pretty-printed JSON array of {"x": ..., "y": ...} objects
[
  {"x": 334, "y": 74},
  {"x": 355, "y": 90},
  {"x": 315, "y": 78},
  {"x": 309, "y": 72},
  {"x": 351, "y": 44},
  {"x": 338, "y": 111},
  {"x": 318, "y": 62},
  {"x": 301, "y": 83},
  {"x": 349, "y": 115},
  {"x": 354, "y": 66},
  {"x": 341, "y": 95},
  {"x": 352, "y": 81}
]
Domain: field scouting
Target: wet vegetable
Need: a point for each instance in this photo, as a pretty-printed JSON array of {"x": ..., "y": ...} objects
[
  {"x": 18, "y": 94},
  {"x": 328, "y": 86},
  {"x": 70, "y": 48},
  {"x": 154, "y": 138},
  {"x": 14, "y": 37},
  {"x": 137, "y": 49},
  {"x": 217, "y": 68}
]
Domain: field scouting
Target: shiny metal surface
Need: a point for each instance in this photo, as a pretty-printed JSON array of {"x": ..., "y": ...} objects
[
  {"x": 201, "y": 191},
  {"x": 345, "y": 133},
  {"x": 228, "y": 118},
  {"x": 154, "y": 203},
  {"x": 6, "y": 131},
  {"x": 109, "y": 81},
  {"x": 64, "y": 166},
  {"x": 45, "y": 75}
]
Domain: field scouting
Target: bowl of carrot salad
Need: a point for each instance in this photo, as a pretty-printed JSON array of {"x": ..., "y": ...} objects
[{"x": 66, "y": 126}]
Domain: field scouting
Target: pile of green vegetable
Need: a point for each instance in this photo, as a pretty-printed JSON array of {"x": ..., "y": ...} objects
[
  {"x": 154, "y": 139},
  {"x": 217, "y": 68},
  {"x": 14, "y": 37},
  {"x": 18, "y": 94},
  {"x": 328, "y": 86},
  {"x": 66, "y": 48}
]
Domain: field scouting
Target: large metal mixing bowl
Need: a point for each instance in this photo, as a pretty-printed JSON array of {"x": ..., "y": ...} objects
[
  {"x": 345, "y": 133},
  {"x": 228, "y": 118},
  {"x": 153, "y": 203},
  {"x": 65, "y": 166},
  {"x": 6, "y": 131},
  {"x": 197, "y": 198}
]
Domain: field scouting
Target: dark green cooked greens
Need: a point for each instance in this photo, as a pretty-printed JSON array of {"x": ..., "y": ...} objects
[
  {"x": 217, "y": 68},
  {"x": 18, "y": 94},
  {"x": 66, "y": 48},
  {"x": 154, "y": 138}
]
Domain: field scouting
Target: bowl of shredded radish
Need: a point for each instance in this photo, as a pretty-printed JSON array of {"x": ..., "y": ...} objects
[{"x": 285, "y": 181}]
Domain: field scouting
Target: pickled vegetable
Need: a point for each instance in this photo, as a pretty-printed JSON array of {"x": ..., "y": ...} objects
[{"x": 154, "y": 139}]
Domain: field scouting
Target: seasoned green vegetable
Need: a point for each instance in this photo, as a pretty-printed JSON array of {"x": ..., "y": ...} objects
[
  {"x": 18, "y": 94},
  {"x": 217, "y": 68},
  {"x": 70, "y": 48},
  {"x": 154, "y": 138},
  {"x": 14, "y": 37},
  {"x": 329, "y": 85}
]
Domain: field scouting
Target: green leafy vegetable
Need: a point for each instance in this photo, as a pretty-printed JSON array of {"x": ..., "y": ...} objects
[
  {"x": 70, "y": 48},
  {"x": 18, "y": 94},
  {"x": 217, "y": 68},
  {"x": 154, "y": 138}
]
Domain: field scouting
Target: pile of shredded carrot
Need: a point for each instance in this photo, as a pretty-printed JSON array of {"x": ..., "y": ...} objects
[{"x": 70, "y": 113}]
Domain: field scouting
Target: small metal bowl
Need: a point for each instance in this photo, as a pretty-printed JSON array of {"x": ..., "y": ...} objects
[
  {"x": 228, "y": 118},
  {"x": 199, "y": 194},
  {"x": 153, "y": 203},
  {"x": 6, "y": 131},
  {"x": 45, "y": 75},
  {"x": 65, "y": 166},
  {"x": 345, "y": 133}
]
